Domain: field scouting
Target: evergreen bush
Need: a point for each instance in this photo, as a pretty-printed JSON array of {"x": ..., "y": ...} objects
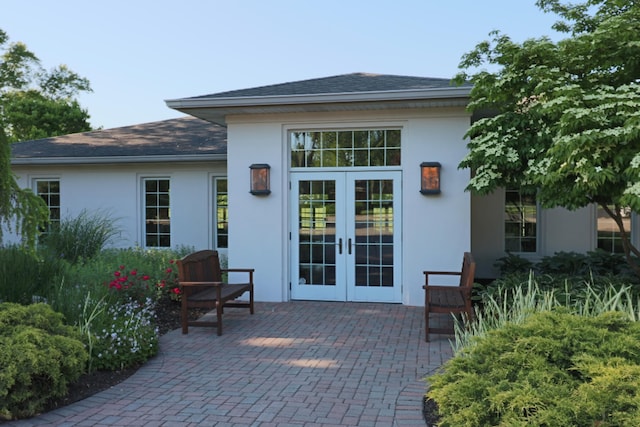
[
  {"x": 39, "y": 357},
  {"x": 554, "y": 368}
]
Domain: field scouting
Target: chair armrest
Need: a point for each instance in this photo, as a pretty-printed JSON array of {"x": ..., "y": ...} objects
[
  {"x": 200, "y": 283},
  {"x": 238, "y": 270},
  {"x": 452, "y": 288},
  {"x": 443, "y": 273}
]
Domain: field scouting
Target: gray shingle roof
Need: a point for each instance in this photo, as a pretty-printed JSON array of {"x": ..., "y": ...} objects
[
  {"x": 345, "y": 83},
  {"x": 175, "y": 138}
]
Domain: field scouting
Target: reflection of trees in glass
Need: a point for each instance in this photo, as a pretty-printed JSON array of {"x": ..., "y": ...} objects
[
  {"x": 347, "y": 148},
  {"x": 520, "y": 222},
  {"x": 609, "y": 236}
]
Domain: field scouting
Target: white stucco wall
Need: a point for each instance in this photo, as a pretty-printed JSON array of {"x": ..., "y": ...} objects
[
  {"x": 436, "y": 230},
  {"x": 117, "y": 191}
]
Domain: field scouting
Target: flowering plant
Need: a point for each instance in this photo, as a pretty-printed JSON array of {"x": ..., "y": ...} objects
[
  {"x": 132, "y": 284},
  {"x": 169, "y": 283},
  {"x": 126, "y": 335}
]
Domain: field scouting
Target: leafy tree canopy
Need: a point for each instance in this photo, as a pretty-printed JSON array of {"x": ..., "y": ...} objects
[
  {"x": 561, "y": 119},
  {"x": 34, "y": 104}
]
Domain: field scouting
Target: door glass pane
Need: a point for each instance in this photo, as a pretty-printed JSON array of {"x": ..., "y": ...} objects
[
  {"x": 317, "y": 233},
  {"x": 374, "y": 233}
]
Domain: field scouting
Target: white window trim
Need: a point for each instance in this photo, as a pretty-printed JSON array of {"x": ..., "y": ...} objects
[{"x": 142, "y": 233}]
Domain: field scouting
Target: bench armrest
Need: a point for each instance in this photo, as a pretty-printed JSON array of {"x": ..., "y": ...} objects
[
  {"x": 238, "y": 270},
  {"x": 201, "y": 283},
  {"x": 452, "y": 288},
  {"x": 443, "y": 273}
]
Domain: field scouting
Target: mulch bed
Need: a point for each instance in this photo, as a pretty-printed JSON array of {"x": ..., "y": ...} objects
[{"x": 430, "y": 411}]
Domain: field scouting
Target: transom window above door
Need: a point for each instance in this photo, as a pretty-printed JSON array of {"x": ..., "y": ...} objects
[{"x": 345, "y": 148}]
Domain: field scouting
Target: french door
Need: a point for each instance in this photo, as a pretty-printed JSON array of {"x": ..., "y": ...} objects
[{"x": 345, "y": 236}]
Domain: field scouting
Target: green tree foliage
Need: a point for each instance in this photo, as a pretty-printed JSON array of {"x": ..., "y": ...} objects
[
  {"x": 34, "y": 103},
  {"x": 562, "y": 119}
]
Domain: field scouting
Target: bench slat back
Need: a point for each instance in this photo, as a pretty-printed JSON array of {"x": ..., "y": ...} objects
[
  {"x": 468, "y": 270},
  {"x": 201, "y": 266}
]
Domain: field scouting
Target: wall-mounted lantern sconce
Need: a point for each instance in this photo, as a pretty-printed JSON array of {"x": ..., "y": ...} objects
[
  {"x": 260, "y": 179},
  {"x": 430, "y": 177}
]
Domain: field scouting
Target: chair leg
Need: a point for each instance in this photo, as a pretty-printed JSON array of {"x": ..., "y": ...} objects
[
  {"x": 426, "y": 317},
  {"x": 184, "y": 315},
  {"x": 219, "y": 317}
]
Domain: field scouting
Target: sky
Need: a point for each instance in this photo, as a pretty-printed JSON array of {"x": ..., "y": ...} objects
[{"x": 138, "y": 53}]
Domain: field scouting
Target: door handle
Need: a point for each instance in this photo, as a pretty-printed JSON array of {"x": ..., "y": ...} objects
[
  {"x": 340, "y": 246},
  {"x": 349, "y": 244}
]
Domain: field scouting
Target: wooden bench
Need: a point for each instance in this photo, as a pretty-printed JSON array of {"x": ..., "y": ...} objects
[
  {"x": 449, "y": 299},
  {"x": 200, "y": 277}
]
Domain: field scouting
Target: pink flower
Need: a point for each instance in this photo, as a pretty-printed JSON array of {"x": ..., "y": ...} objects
[
  {"x": 176, "y": 291},
  {"x": 145, "y": 277},
  {"x": 117, "y": 274},
  {"x": 133, "y": 272},
  {"x": 169, "y": 270},
  {"x": 171, "y": 261},
  {"x": 122, "y": 267}
]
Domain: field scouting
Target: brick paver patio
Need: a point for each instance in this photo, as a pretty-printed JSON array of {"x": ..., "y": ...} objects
[{"x": 302, "y": 363}]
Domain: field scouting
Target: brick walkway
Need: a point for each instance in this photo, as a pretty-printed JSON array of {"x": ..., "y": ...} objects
[{"x": 312, "y": 364}]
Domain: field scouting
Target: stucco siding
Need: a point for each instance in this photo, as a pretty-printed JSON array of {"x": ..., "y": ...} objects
[
  {"x": 117, "y": 191},
  {"x": 435, "y": 229}
]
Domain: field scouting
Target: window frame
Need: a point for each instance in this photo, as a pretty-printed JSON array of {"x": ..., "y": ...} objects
[
  {"x": 330, "y": 154},
  {"x": 144, "y": 207},
  {"x": 538, "y": 226},
  {"x": 215, "y": 219},
  {"x": 52, "y": 221},
  {"x": 631, "y": 231}
]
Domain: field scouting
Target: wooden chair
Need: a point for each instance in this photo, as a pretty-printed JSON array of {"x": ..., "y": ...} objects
[
  {"x": 200, "y": 277},
  {"x": 449, "y": 299}
]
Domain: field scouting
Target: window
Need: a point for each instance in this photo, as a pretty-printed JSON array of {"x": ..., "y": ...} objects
[
  {"x": 221, "y": 208},
  {"x": 49, "y": 190},
  {"x": 349, "y": 148},
  {"x": 157, "y": 213},
  {"x": 608, "y": 232},
  {"x": 520, "y": 222}
]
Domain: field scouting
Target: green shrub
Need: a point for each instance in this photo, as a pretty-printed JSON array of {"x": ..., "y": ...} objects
[
  {"x": 553, "y": 368},
  {"x": 570, "y": 264},
  {"x": 513, "y": 264},
  {"x": 39, "y": 357},
  {"x": 564, "y": 263}
]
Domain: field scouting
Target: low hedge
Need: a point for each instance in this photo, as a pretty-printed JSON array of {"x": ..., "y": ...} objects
[
  {"x": 553, "y": 369},
  {"x": 39, "y": 358}
]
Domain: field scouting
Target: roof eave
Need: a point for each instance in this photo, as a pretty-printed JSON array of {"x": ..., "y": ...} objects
[
  {"x": 322, "y": 98},
  {"x": 216, "y": 109},
  {"x": 35, "y": 161}
]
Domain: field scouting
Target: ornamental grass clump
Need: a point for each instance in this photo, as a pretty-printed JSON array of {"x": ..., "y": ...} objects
[{"x": 81, "y": 237}]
